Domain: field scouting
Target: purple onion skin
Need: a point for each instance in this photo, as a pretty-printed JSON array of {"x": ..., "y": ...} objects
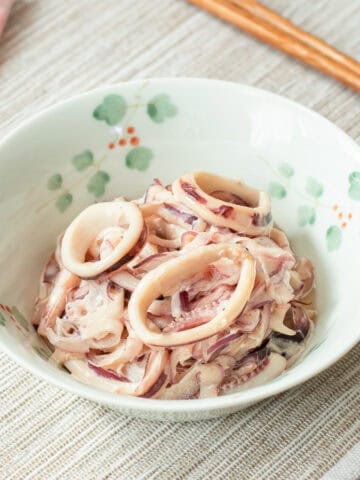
[
  {"x": 184, "y": 301},
  {"x": 156, "y": 387},
  {"x": 301, "y": 325},
  {"x": 215, "y": 349},
  {"x": 106, "y": 373},
  {"x": 258, "y": 355},
  {"x": 224, "y": 210},
  {"x": 191, "y": 191},
  {"x": 147, "y": 259},
  {"x": 186, "y": 217}
]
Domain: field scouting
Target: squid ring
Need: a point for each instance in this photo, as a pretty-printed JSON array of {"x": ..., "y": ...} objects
[
  {"x": 163, "y": 280},
  {"x": 84, "y": 229},
  {"x": 225, "y": 203}
]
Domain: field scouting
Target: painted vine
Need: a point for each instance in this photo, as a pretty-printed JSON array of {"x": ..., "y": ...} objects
[
  {"x": 307, "y": 212},
  {"x": 114, "y": 111}
]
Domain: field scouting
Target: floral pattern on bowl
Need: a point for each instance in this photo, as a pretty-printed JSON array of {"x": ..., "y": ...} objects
[
  {"x": 312, "y": 193},
  {"x": 115, "y": 140},
  {"x": 116, "y": 111}
]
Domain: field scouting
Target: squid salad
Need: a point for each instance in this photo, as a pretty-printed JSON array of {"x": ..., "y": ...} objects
[{"x": 187, "y": 292}]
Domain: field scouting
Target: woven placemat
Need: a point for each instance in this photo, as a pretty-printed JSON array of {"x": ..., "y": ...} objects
[{"x": 52, "y": 49}]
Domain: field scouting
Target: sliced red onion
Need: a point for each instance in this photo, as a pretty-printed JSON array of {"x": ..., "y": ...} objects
[
  {"x": 125, "y": 279},
  {"x": 224, "y": 210},
  {"x": 257, "y": 356},
  {"x": 184, "y": 301},
  {"x": 156, "y": 387},
  {"x": 153, "y": 261},
  {"x": 296, "y": 319},
  {"x": 223, "y": 342},
  {"x": 107, "y": 373},
  {"x": 200, "y": 349},
  {"x": 192, "y": 192},
  {"x": 248, "y": 321},
  {"x": 185, "y": 217},
  {"x": 201, "y": 380},
  {"x": 272, "y": 367}
]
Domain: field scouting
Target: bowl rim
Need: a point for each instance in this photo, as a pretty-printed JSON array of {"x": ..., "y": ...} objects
[{"x": 227, "y": 402}]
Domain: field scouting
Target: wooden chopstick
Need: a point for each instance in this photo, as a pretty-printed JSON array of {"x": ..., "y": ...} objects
[
  {"x": 260, "y": 10},
  {"x": 271, "y": 34}
]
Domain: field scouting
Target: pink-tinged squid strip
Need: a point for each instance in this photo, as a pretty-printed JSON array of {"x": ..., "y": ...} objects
[
  {"x": 163, "y": 281},
  {"x": 56, "y": 302},
  {"x": 245, "y": 210},
  {"x": 113, "y": 382},
  {"x": 269, "y": 370},
  {"x": 88, "y": 224}
]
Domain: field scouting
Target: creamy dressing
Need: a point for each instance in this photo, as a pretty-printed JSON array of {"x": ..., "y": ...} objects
[{"x": 187, "y": 292}]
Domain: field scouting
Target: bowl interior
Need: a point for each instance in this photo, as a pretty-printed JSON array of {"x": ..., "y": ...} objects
[{"x": 115, "y": 140}]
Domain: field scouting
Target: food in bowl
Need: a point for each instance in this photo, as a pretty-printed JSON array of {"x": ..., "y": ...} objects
[{"x": 188, "y": 292}]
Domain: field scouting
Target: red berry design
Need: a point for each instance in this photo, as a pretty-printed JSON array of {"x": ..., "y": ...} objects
[
  {"x": 134, "y": 141},
  {"x": 111, "y": 146},
  {"x": 122, "y": 142},
  {"x": 130, "y": 130}
]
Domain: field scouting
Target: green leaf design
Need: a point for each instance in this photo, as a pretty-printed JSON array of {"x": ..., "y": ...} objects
[
  {"x": 354, "y": 178},
  {"x": 306, "y": 215},
  {"x": 55, "y": 182},
  {"x": 139, "y": 158},
  {"x": 160, "y": 107},
  {"x": 354, "y": 192},
  {"x": 333, "y": 238},
  {"x": 286, "y": 170},
  {"x": 97, "y": 183},
  {"x": 20, "y": 318},
  {"x": 111, "y": 110},
  {"x": 314, "y": 188},
  {"x": 354, "y": 189},
  {"x": 2, "y": 320},
  {"x": 63, "y": 202},
  {"x": 83, "y": 160},
  {"x": 277, "y": 190}
]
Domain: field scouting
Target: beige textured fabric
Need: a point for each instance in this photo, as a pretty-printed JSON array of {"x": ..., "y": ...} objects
[{"x": 52, "y": 49}]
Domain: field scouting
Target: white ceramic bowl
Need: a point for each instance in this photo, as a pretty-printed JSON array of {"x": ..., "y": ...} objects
[{"x": 58, "y": 162}]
